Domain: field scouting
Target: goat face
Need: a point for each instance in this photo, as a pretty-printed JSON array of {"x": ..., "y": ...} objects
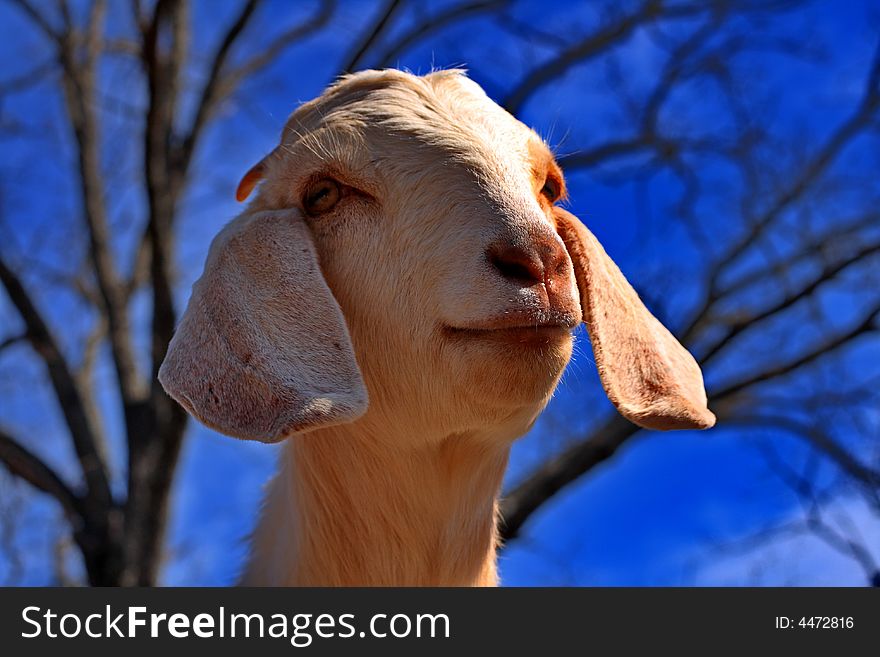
[
  {"x": 432, "y": 213},
  {"x": 424, "y": 201}
]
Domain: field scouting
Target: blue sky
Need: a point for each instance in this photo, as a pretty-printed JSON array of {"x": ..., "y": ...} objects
[{"x": 651, "y": 516}]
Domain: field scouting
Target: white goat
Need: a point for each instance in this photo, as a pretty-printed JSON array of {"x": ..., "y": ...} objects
[{"x": 406, "y": 248}]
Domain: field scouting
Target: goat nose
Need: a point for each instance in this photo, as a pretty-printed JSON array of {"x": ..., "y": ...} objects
[
  {"x": 538, "y": 263},
  {"x": 516, "y": 264}
]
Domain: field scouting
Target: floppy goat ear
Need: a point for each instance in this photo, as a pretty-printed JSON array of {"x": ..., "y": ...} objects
[
  {"x": 651, "y": 379},
  {"x": 262, "y": 351}
]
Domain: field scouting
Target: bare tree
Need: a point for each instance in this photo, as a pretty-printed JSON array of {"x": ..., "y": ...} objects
[
  {"x": 119, "y": 526},
  {"x": 787, "y": 249},
  {"x": 121, "y": 538}
]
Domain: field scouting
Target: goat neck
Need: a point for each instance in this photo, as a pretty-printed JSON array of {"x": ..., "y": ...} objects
[{"x": 351, "y": 508}]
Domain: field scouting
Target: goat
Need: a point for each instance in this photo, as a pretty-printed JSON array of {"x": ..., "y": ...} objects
[{"x": 399, "y": 301}]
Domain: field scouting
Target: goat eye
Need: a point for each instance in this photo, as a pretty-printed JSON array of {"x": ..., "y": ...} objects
[
  {"x": 321, "y": 196},
  {"x": 551, "y": 190}
]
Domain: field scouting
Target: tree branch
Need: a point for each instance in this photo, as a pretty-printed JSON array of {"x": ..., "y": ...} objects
[
  {"x": 592, "y": 45},
  {"x": 229, "y": 81},
  {"x": 29, "y": 78},
  {"x": 163, "y": 183},
  {"x": 810, "y": 173},
  {"x": 78, "y": 86},
  {"x": 812, "y": 501},
  {"x": 209, "y": 96},
  {"x": 518, "y": 505},
  {"x": 818, "y": 439},
  {"x": 432, "y": 25},
  {"x": 828, "y": 272},
  {"x": 140, "y": 269},
  {"x": 12, "y": 340},
  {"x": 847, "y": 232},
  {"x": 24, "y": 464},
  {"x": 372, "y": 35},
  {"x": 38, "y": 19},
  {"x": 279, "y": 44},
  {"x": 70, "y": 397},
  {"x": 865, "y": 325}
]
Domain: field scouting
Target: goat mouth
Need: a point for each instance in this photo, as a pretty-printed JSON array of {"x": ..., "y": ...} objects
[
  {"x": 527, "y": 335},
  {"x": 531, "y": 327}
]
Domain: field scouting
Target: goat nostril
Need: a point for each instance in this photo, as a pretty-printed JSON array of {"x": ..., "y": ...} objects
[
  {"x": 513, "y": 270},
  {"x": 517, "y": 265}
]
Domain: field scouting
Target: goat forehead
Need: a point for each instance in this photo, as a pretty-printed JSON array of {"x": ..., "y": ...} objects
[
  {"x": 445, "y": 111},
  {"x": 467, "y": 106}
]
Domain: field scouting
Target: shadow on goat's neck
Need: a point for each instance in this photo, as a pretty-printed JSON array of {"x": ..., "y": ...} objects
[{"x": 348, "y": 508}]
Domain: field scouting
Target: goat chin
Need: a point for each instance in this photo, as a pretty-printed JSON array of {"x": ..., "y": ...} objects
[{"x": 515, "y": 370}]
